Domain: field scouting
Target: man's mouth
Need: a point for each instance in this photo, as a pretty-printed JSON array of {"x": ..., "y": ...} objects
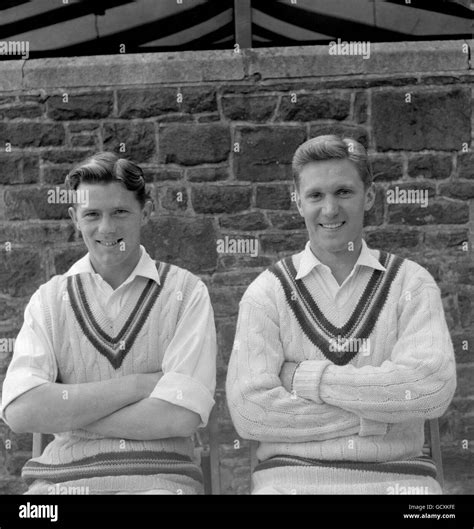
[
  {"x": 333, "y": 225},
  {"x": 109, "y": 244}
]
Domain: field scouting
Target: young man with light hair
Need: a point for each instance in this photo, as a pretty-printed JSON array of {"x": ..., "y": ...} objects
[
  {"x": 342, "y": 352},
  {"x": 116, "y": 357}
]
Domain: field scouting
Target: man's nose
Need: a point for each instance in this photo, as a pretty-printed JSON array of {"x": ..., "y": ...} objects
[
  {"x": 107, "y": 225},
  {"x": 330, "y": 207}
]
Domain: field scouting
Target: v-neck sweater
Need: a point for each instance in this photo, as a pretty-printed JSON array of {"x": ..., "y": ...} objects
[
  {"x": 370, "y": 371},
  {"x": 89, "y": 346}
]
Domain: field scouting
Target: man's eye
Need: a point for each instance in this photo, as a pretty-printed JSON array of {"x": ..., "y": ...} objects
[
  {"x": 90, "y": 214},
  {"x": 344, "y": 191},
  {"x": 121, "y": 211}
]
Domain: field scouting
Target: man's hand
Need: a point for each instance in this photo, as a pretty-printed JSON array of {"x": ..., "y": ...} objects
[{"x": 286, "y": 375}]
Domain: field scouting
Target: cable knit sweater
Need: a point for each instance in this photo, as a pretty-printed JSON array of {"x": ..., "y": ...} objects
[
  {"x": 157, "y": 329},
  {"x": 370, "y": 371}
]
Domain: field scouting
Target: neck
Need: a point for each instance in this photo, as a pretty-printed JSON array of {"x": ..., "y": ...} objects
[
  {"x": 117, "y": 275},
  {"x": 341, "y": 261}
]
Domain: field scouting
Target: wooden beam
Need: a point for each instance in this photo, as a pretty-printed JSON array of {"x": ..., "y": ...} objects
[{"x": 243, "y": 23}]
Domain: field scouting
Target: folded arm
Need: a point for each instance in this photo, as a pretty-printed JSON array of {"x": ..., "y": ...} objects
[
  {"x": 261, "y": 408},
  {"x": 148, "y": 419},
  {"x": 417, "y": 382},
  {"x": 53, "y": 408},
  {"x": 32, "y": 401}
]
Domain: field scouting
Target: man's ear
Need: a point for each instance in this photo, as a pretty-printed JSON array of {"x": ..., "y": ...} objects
[
  {"x": 298, "y": 201},
  {"x": 73, "y": 215},
  {"x": 146, "y": 213},
  {"x": 369, "y": 197}
]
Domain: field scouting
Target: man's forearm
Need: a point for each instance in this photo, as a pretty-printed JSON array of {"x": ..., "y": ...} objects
[
  {"x": 53, "y": 408},
  {"x": 146, "y": 420}
]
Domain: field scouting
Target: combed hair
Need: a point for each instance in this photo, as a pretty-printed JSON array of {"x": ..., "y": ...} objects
[
  {"x": 332, "y": 147},
  {"x": 107, "y": 167}
]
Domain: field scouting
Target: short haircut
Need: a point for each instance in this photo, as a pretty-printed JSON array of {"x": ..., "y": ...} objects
[
  {"x": 107, "y": 167},
  {"x": 332, "y": 147}
]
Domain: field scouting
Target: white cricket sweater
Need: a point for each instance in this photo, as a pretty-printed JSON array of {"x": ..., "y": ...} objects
[{"x": 367, "y": 403}]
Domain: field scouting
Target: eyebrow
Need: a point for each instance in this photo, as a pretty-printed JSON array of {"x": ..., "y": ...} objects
[
  {"x": 336, "y": 187},
  {"x": 89, "y": 208}
]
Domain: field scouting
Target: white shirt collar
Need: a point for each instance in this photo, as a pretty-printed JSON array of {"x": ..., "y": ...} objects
[
  {"x": 309, "y": 260},
  {"x": 146, "y": 267}
]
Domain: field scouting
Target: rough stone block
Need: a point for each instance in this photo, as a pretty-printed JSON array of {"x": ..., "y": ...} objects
[
  {"x": 466, "y": 165},
  {"x": 442, "y": 239},
  {"x": 241, "y": 261},
  {"x": 65, "y": 258},
  {"x": 138, "y": 140},
  {"x": 248, "y": 108},
  {"x": 186, "y": 242},
  {"x": 457, "y": 189},
  {"x": 283, "y": 242},
  {"x": 266, "y": 152},
  {"x": 161, "y": 174},
  {"x": 440, "y": 211},
  {"x": 33, "y": 134},
  {"x": 162, "y": 100},
  {"x": 96, "y": 105},
  {"x": 221, "y": 199},
  {"x": 386, "y": 167},
  {"x": 392, "y": 238},
  {"x": 255, "y": 220},
  {"x": 21, "y": 111},
  {"x": 465, "y": 378},
  {"x": 174, "y": 198},
  {"x": 273, "y": 197},
  {"x": 32, "y": 203},
  {"x": 12, "y": 310},
  {"x": 225, "y": 300},
  {"x": 287, "y": 220},
  {"x": 360, "y": 107},
  {"x": 55, "y": 175},
  {"x": 66, "y": 156},
  {"x": 207, "y": 174},
  {"x": 85, "y": 140},
  {"x": 430, "y": 166},
  {"x": 21, "y": 272},
  {"x": 45, "y": 232},
  {"x": 194, "y": 144},
  {"x": 423, "y": 122},
  {"x": 18, "y": 168},
  {"x": 311, "y": 107}
]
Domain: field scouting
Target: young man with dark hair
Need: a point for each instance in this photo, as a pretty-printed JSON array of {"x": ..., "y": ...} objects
[
  {"x": 116, "y": 357},
  {"x": 341, "y": 351}
]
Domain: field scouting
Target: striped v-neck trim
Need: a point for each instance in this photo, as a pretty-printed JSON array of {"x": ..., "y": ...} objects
[
  {"x": 114, "y": 348},
  {"x": 319, "y": 330}
]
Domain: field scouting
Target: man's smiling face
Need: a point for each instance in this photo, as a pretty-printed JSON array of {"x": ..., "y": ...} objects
[
  {"x": 110, "y": 226},
  {"x": 332, "y": 199}
]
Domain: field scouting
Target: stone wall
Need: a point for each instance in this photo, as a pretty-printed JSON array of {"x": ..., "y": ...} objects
[{"x": 215, "y": 133}]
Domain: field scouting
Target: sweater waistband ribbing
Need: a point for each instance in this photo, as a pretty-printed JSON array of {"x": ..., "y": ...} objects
[
  {"x": 113, "y": 464},
  {"x": 419, "y": 466}
]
